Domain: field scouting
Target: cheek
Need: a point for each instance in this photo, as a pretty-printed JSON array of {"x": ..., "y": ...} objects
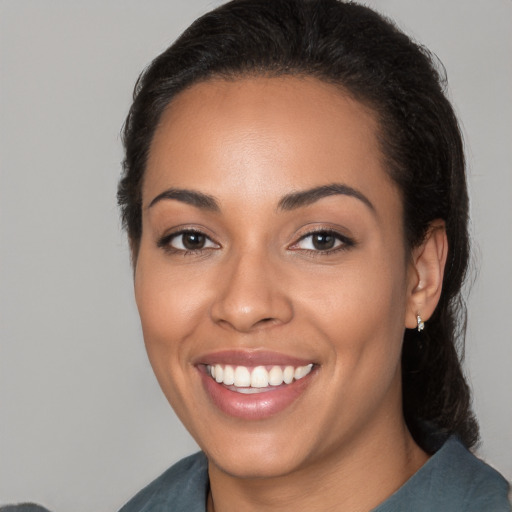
[
  {"x": 170, "y": 307},
  {"x": 365, "y": 326},
  {"x": 361, "y": 312},
  {"x": 366, "y": 294}
]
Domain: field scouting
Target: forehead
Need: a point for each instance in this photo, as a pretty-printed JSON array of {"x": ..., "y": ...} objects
[{"x": 280, "y": 134}]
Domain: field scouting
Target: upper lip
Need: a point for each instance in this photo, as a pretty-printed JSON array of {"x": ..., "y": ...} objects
[{"x": 251, "y": 358}]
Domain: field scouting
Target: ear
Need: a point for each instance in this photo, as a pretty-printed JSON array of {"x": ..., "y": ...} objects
[{"x": 425, "y": 276}]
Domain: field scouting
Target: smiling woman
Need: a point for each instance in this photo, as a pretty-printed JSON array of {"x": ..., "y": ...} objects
[{"x": 295, "y": 200}]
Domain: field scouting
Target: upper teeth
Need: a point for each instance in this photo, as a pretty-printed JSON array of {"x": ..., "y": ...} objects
[{"x": 257, "y": 377}]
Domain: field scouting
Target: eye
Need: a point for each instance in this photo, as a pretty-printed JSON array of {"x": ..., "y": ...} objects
[
  {"x": 323, "y": 241},
  {"x": 187, "y": 241}
]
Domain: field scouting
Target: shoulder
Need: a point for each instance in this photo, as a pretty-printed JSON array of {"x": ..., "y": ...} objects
[
  {"x": 452, "y": 479},
  {"x": 476, "y": 484},
  {"x": 183, "y": 487}
]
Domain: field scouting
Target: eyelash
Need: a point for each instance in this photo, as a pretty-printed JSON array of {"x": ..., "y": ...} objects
[
  {"x": 346, "y": 242},
  {"x": 165, "y": 242}
]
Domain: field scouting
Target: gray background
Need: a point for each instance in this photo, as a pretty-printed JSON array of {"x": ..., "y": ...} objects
[{"x": 83, "y": 424}]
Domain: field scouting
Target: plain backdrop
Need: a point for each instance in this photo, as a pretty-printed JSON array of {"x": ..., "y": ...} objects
[{"x": 83, "y": 424}]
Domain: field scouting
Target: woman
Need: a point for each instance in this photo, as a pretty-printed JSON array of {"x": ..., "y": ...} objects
[{"x": 295, "y": 200}]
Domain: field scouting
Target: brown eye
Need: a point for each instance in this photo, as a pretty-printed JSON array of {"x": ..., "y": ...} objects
[
  {"x": 187, "y": 241},
  {"x": 323, "y": 241},
  {"x": 193, "y": 241}
]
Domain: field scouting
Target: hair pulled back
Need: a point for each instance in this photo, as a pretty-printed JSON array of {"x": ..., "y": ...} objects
[{"x": 355, "y": 48}]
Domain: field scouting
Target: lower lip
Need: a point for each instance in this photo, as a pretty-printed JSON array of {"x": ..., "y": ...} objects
[{"x": 255, "y": 406}]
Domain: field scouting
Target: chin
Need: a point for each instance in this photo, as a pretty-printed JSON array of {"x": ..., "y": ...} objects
[
  {"x": 257, "y": 454},
  {"x": 257, "y": 465}
]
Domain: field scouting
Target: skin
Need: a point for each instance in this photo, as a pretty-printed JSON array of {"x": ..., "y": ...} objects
[{"x": 260, "y": 284}]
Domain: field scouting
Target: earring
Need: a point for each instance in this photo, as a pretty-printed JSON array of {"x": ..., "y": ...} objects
[{"x": 421, "y": 323}]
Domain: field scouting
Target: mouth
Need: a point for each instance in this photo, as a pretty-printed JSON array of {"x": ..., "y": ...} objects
[{"x": 254, "y": 386}]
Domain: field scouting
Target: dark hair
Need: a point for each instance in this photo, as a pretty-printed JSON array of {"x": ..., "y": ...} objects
[{"x": 355, "y": 48}]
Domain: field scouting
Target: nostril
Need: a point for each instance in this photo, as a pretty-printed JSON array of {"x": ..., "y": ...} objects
[{"x": 266, "y": 320}]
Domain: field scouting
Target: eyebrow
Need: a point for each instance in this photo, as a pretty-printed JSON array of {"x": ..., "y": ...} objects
[
  {"x": 307, "y": 197},
  {"x": 288, "y": 202},
  {"x": 198, "y": 199}
]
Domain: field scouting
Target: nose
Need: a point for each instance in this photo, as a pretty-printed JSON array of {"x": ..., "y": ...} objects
[{"x": 251, "y": 295}]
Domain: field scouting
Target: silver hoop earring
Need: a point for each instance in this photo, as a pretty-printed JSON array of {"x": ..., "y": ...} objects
[{"x": 421, "y": 323}]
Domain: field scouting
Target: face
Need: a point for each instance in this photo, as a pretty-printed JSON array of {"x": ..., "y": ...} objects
[{"x": 272, "y": 279}]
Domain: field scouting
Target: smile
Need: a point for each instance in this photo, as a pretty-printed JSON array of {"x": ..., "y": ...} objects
[
  {"x": 254, "y": 385},
  {"x": 247, "y": 380}
]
